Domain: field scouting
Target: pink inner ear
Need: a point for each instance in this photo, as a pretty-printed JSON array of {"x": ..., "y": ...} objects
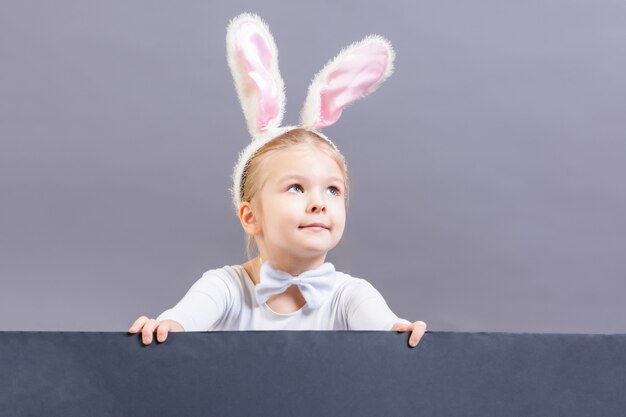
[
  {"x": 256, "y": 54},
  {"x": 353, "y": 76}
]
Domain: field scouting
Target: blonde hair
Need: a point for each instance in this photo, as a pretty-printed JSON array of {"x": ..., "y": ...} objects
[{"x": 253, "y": 179}]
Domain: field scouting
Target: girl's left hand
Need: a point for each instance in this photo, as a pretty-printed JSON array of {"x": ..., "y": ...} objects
[{"x": 417, "y": 331}]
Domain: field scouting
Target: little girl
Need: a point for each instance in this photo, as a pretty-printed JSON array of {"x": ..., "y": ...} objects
[{"x": 290, "y": 189}]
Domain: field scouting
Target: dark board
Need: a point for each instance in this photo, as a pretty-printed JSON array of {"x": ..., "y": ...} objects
[{"x": 311, "y": 373}]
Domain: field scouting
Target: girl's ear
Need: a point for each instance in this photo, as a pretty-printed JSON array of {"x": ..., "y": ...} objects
[
  {"x": 249, "y": 220},
  {"x": 253, "y": 61},
  {"x": 357, "y": 71}
]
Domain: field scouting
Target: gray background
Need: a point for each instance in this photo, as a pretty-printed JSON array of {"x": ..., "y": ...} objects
[{"x": 487, "y": 171}]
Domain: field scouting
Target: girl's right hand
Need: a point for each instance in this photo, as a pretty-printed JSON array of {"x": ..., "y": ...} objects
[{"x": 148, "y": 327}]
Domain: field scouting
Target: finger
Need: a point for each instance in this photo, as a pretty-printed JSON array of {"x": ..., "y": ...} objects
[
  {"x": 416, "y": 336},
  {"x": 162, "y": 330},
  {"x": 138, "y": 324},
  {"x": 400, "y": 327},
  {"x": 147, "y": 331},
  {"x": 419, "y": 328}
]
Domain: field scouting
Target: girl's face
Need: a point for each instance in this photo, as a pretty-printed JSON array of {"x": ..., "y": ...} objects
[{"x": 302, "y": 204}]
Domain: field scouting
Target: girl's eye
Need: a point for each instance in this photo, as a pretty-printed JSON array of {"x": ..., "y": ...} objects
[{"x": 334, "y": 191}]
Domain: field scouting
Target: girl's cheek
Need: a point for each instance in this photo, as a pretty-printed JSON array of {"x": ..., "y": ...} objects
[{"x": 339, "y": 204}]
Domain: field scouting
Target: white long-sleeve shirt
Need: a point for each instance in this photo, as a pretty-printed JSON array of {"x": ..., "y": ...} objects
[{"x": 223, "y": 299}]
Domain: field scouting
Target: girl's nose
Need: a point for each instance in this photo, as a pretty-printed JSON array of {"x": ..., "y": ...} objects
[
  {"x": 317, "y": 205},
  {"x": 318, "y": 208}
]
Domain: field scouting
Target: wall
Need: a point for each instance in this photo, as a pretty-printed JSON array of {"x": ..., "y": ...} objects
[{"x": 487, "y": 171}]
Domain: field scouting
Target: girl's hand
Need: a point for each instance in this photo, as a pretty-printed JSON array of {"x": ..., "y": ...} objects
[
  {"x": 148, "y": 326},
  {"x": 417, "y": 331}
]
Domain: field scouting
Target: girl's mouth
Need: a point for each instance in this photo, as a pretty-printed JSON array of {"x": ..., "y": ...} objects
[{"x": 315, "y": 226}]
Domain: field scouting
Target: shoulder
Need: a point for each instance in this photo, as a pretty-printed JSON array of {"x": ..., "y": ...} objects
[
  {"x": 353, "y": 287},
  {"x": 225, "y": 273},
  {"x": 228, "y": 278}
]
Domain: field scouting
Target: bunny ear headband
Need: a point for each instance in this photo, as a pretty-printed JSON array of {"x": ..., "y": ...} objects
[{"x": 253, "y": 61}]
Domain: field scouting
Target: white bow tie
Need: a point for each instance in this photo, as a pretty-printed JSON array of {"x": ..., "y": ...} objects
[{"x": 315, "y": 285}]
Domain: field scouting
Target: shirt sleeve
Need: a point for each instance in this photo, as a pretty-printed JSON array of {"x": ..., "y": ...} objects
[
  {"x": 205, "y": 303},
  {"x": 366, "y": 309}
]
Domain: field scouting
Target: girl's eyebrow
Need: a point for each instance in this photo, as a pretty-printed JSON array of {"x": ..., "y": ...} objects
[{"x": 297, "y": 177}]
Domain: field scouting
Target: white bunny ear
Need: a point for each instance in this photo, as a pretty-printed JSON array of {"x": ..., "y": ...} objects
[
  {"x": 253, "y": 61},
  {"x": 355, "y": 72}
]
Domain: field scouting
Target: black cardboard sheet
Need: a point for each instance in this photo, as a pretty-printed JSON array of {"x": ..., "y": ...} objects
[{"x": 312, "y": 373}]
